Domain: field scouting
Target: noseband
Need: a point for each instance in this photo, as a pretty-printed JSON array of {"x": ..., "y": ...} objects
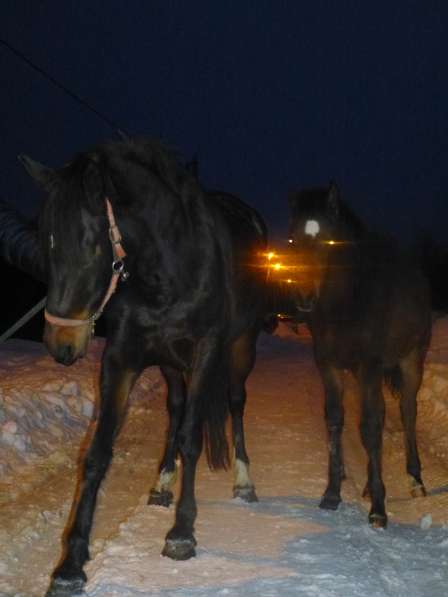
[{"x": 118, "y": 272}]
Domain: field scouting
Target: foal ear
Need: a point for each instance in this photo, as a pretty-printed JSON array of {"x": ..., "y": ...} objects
[
  {"x": 333, "y": 201},
  {"x": 45, "y": 177}
]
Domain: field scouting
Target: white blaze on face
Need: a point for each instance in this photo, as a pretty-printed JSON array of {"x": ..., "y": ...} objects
[{"x": 312, "y": 228}]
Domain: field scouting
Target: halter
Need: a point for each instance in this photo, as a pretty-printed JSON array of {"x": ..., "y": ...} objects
[{"x": 118, "y": 272}]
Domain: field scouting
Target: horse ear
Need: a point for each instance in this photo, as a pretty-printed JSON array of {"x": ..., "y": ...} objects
[
  {"x": 333, "y": 200},
  {"x": 45, "y": 177},
  {"x": 293, "y": 199}
]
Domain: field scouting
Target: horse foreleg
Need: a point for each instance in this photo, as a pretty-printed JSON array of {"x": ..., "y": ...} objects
[
  {"x": 372, "y": 424},
  {"x": 161, "y": 494},
  {"x": 334, "y": 418},
  {"x": 208, "y": 382},
  {"x": 116, "y": 384},
  {"x": 242, "y": 362}
]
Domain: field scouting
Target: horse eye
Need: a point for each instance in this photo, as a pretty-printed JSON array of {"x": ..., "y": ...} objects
[{"x": 51, "y": 241}]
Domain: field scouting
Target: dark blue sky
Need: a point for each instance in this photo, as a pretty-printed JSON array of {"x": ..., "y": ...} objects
[{"x": 273, "y": 95}]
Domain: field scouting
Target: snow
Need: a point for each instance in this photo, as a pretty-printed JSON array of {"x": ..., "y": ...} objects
[{"x": 282, "y": 545}]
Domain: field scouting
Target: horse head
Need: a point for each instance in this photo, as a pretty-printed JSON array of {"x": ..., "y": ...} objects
[
  {"x": 74, "y": 239},
  {"x": 314, "y": 215}
]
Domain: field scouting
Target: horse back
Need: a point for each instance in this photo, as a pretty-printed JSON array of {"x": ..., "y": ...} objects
[{"x": 379, "y": 310}]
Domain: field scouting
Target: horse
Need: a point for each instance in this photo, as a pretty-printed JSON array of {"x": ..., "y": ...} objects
[
  {"x": 369, "y": 312},
  {"x": 125, "y": 230}
]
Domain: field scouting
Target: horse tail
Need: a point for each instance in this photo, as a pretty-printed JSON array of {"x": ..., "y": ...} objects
[
  {"x": 394, "y": 380},
  {"x": 215, "y": 411},
  {"x": 18, "y": 243}
]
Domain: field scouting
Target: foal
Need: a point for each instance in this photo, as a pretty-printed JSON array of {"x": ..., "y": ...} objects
[{"x": 368, "y": 312}]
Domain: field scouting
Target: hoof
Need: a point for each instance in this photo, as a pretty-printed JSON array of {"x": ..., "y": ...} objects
[
  {"x": 246, "y": 493},
  {"x": 330, "y": 502},
  {"x": 61, "y": 587},
  {"x": 418, "y": 490},
  {"x": 179, "y": 549},
  {"x": 377, "y": 521},
  {"x": 160, "y": 498}
]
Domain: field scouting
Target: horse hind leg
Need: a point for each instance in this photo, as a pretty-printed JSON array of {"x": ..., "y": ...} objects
[
  {"x": 161, "y": 493},
  {"x": 411, "y": 373},
  {"x": 243, "y": 358},
  {"x": 334, "y": 417}
]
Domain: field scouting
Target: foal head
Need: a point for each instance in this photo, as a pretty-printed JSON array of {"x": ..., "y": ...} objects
[
  {"x": 313, "y": 231},
  {"x": 73, "y": 231}
]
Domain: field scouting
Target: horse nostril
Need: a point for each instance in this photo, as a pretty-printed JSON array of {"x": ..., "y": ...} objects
[
  {"x": 65, "y": 355},
  {"x": 306, "y": 302}
]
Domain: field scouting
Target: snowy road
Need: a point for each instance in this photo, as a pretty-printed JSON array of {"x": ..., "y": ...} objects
[{"x": 283, "y": 545}]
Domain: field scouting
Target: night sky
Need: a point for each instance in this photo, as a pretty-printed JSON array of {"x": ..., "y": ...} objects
[{"x": 271, "y": 95}]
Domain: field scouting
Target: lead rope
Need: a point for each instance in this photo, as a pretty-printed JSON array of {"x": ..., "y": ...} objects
[{"x": 22, "y": 321}]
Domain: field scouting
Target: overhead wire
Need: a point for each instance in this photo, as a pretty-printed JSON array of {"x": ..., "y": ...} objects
[{"x": 114, "y": 125}]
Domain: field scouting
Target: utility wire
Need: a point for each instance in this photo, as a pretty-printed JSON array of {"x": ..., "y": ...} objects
[{"x": 62, "y": 87}]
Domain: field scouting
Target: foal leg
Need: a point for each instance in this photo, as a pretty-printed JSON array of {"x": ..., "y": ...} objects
[
  {"x": 334, "y": 417},
  {"x": 372, "y": 424},
  {"x": 116, "y": 384},
  {"x": 411, "y": 368},
  {"x": 209, "y": 381},
  {"x": 242, "y": 361},
  {"x": 161, "y": 494}
]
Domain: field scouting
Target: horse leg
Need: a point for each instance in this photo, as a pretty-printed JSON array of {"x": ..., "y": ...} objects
[
  {"x": 411, "y": 368},
  {"x": 116, "y": 383},
  {"x": 372, "y": 424},
  {"x": 242, "y": 361},
  {"x": 161, "y": 494},
  {"x": 334, "y": 417},
  {"x": 208, "y": 382}
]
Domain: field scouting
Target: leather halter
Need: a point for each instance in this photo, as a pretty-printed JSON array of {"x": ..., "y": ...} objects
[{"x": 118, "y": 272}]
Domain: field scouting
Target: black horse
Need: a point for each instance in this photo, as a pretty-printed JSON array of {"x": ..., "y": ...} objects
[
  {"x": 193, "y": 304},
  {"x": 369, "y": 312}
]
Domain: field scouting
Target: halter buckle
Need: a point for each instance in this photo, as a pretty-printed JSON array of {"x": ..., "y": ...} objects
[{"x": 118, "y": 269}]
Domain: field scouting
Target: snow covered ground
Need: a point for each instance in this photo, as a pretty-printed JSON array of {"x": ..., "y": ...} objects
[{"x": 282, "y": 545}]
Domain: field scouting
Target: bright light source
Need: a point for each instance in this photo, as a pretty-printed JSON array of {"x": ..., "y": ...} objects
[
  {"x": 290, "y": 240},
  {"x": 277, "y": 266},
  {"x": 289, "y": 281},
  {"x": 331, "y": 242},
  {"x": 270, "y": 255}
]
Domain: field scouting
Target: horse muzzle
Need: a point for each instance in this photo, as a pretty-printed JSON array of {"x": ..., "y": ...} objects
[
  {"x": 305, "y": 303},
  {"x": 67, "y": 344}
]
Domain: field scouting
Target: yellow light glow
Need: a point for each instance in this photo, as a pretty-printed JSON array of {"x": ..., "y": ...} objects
[
  {"x": 270, "y": 255},
  {"x": 277, "y": 266},
  {"x": 290, "y": 240},
  {"x": 289, "y": 281},
  {"x": 331, "y": 242}
]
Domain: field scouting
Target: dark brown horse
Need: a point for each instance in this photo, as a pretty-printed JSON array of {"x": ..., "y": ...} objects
[
  {"x": 369, "y": 312},
  {"x": 126, "y": 231}
]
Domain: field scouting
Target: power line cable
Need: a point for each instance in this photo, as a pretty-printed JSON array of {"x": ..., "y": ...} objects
[{"x": 114, "y": 125}]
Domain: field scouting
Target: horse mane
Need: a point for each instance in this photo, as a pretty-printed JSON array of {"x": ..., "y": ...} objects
[
  {"x": 351, "y": 220},
  {"x": 90, "y": 176},
  {"x": 318, "y": 197}
]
